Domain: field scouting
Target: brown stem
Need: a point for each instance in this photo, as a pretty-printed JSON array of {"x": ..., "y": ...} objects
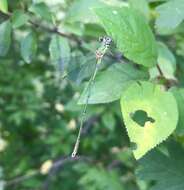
[
  {"x": 56, "y": 31},
  {"x": 48, "y": 29},
  {"x": 56, "y": 165},
  {"x": 160, "y": 71}
]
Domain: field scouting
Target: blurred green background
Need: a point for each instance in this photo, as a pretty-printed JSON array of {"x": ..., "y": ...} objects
[{"x": 39, "y": 114}]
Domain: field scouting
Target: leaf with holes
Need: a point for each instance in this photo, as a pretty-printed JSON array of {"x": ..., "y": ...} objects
[
  {"x": 157, "y": 110},
  {"x": 131, "y": 32}
]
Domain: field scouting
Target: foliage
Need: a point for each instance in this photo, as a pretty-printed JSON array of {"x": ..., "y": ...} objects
[
  {"x": 97, "y": 178},
  {"x": 166, "y": 169},
  {"x": 5, "y": 39},
  {"x": 131, "y": 33},
  {"x": 170, "y": 15},
  {"x": 47, "y": 55},
  {"x": 121, "y": 74}
]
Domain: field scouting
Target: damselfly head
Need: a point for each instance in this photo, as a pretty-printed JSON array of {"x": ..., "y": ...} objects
[
  {"x": 108, "y": 40},
  {"x": 105, "y": 40},
  {"x": 101, "y": 39}
]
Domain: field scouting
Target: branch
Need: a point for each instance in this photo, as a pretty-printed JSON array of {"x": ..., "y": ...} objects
[
  {"x": 160, "y": 71},
  {"x": 168, "y": 83},
  {"x": 56, "y": 165},
  {"x": 54, "y": 29},
  {"x": 20, "y": 179}
]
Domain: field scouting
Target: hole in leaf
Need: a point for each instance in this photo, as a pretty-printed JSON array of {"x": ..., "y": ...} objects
[
  {"x": 141, "y": 117},
  {"x": 133, "y": 146}
]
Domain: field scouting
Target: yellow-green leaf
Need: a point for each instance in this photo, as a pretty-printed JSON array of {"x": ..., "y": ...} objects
[
  {"x": 4, "y": 6},
  {"x": 150, "y": 115}
]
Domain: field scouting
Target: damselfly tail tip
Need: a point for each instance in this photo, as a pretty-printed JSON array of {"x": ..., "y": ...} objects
[{"x": 73, "y": 155}]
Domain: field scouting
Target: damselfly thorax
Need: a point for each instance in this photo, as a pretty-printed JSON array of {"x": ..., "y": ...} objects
[{"x": 105, "y": 43}]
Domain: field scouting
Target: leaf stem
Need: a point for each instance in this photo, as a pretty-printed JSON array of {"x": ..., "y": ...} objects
[{"x": 160, "y": 71}]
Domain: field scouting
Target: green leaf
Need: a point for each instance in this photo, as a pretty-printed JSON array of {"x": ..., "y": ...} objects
[
  {"x": 29, "y": 47},
  {"x": 179, "y": 96},
  {"x": 99, "y": 178},
  {"x": 131, "y": 33},
  {"x": 109, "y": 121},
  {"x": 5, "y": 37},
  {"x": 160, "y": 112},
  {"x": 81, "y": 11},
  {"x": 171, "y": 14},
  {"x": 4, "y": 6},
  {"x": 59, "y": 51},
  {"x": 140, "y": 5},
  {"x": 166, "y": 62},
  {"x": 167, "y": 171},
  {"x": 110, "y": 84},
  {"x": 93, "y": 30},
  {"x": 19, "y": 18},
  {"x": 42, "y": 10}
]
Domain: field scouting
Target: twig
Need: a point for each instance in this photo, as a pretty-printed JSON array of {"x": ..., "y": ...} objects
[
  {"x": 160, "y": 71},
  {"x": 20, "y": 179},
  {"x": 56, "y": 165},
  {"x": 56, "y": 31},
  {"x": 168, "y": 83},
  {"x": 46, "y": 28}
]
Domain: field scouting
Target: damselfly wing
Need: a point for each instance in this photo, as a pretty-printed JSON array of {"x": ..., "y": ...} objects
[{"x": 79, "y": 67}]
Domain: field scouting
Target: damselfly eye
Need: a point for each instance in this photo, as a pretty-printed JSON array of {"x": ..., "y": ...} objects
[
  {"x": 108, "y": 40},
  {"x": 101, "y": 39}
]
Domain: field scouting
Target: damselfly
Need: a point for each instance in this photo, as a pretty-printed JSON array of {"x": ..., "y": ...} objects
[
  {"x": 82, "y": 74},
  {"x": 105, "y": 43}
]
